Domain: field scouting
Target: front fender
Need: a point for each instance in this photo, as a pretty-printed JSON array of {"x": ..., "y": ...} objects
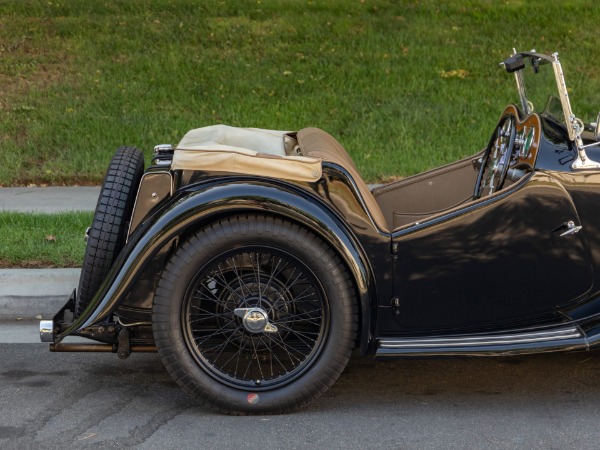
[{"x": 194, "y": 206}]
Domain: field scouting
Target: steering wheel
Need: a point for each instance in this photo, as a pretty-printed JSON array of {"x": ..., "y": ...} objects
[{"x": 496, "y": 159}]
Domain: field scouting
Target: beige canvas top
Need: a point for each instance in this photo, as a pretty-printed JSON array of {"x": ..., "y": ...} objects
[{"x": 251, "y": 151}]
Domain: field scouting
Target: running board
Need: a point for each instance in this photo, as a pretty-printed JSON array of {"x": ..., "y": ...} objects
[{"x": 555, "y": 339}]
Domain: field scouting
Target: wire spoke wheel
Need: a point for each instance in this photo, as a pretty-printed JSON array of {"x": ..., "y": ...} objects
[{"x": 255, "y": 317}]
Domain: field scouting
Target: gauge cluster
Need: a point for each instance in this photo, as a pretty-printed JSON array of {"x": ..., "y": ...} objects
[{"x": 527, "y": 140}]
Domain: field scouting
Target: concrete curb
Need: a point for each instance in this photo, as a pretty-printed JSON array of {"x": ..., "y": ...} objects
[
  {"x": 27, "y": 293},
  {"x": 49, "y": 199}
]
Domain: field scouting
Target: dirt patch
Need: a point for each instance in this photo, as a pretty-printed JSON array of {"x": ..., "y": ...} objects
[
  {"x": 64, "y": 181},
  {"x": 31, "y": 58},
  {"x": 32, "y": 264},
  {"x": 390, "y": 179}
]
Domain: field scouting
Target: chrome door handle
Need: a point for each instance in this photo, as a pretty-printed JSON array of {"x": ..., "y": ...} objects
[{"x": 568, "y": 228}]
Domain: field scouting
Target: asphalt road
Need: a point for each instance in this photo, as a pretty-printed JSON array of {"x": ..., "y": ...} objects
[{"x": 50, "y": 400}]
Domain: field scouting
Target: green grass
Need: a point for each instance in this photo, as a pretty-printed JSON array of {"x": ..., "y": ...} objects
[
  {"x": 79, "y": 78},
  {"x": 42, "y": 240}
]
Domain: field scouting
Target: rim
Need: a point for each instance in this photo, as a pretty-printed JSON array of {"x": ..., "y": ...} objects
[{"x": 255, "y": 317}]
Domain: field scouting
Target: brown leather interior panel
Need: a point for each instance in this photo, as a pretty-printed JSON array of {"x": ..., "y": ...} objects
[{"x": 426, "y": 194}]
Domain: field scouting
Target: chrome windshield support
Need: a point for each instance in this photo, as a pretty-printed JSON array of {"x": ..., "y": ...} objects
[
  {"x": 521, "y": 87},
  {"x": 574, "y": 125}
]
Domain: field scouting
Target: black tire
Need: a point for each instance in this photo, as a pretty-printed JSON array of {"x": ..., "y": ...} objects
[
  {"x": 108, "y": 232},
  {"x": 262, "y": 263}
]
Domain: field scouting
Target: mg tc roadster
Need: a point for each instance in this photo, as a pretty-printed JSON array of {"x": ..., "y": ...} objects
[{"x": 256, "y": 261}]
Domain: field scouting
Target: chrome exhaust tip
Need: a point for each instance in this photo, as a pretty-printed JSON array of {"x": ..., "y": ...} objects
[{"x": 47, "y": 330}]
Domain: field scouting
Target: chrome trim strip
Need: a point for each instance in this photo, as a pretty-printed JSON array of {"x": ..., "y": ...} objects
[
  {"x": 521, "y": 88},
  {"x": 470, "y": 341}
]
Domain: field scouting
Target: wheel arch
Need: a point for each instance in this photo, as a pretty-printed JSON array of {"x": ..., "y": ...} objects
[{"x": 197, "y": 206}]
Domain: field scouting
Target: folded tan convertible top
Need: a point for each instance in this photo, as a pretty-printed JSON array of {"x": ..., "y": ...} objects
[{"x": 252, "y": 151}]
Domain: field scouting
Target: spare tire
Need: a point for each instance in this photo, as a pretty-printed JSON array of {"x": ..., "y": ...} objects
[{"x": 108, "y": 233}]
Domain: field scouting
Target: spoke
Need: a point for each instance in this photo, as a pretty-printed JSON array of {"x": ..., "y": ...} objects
[
  {"x": 237, "y": 361},
  {"x": 309, "y": 314},
  {"x": 262, "y": 377},
  {"x": 295, "y": 298},
  {"x": 235, "y": 270},
  {"x": 301, "y": 296},
  {"x": 288, "y": 285},
  {"x": 258, "y": 280},
  {"x": 240, "y": 348},
  {"x": 281, "y": 344},
  {"x": 301, "y": 337},
  {"x": 222, "y": 344},
  {"x": 209, "y": 313},
  {"x": 301, "y": 333},
  {"x": 204, "y": 319},
  {"x": 224, "y": 283},
  {"x": 214, "y": 299},
  {"x": 316, "y": 322},
  {"x": 247, "y": 367},
  {"x": 216, "y": 333},
  {"x": 273, "y": 274},
  {"x": 271, "y": 356},
  {"x": 287, "y": 289}
]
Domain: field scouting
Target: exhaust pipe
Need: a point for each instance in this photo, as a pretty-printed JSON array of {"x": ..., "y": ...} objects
[{"x": 99, "y": 348}]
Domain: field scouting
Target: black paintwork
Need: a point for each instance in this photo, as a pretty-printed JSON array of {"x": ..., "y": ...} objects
[
  {"x": 489, "y": 266},
  {"x": 196, "y": 205}
]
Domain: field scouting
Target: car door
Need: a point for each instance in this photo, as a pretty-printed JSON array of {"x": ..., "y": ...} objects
[{"x": 499, "y": 262}]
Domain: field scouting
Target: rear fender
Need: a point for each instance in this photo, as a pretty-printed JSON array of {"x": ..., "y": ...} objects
[{"x": 195, "y": 206}]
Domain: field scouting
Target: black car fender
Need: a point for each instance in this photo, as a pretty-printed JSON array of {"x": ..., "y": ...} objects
[{"x": 195, "y": 206}]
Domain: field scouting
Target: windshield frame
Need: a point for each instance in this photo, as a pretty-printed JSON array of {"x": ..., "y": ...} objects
[{"x": 575, "y": 126}]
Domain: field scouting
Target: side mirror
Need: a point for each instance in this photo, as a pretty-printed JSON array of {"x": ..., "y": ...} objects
[{"x": 514, "y": 63}]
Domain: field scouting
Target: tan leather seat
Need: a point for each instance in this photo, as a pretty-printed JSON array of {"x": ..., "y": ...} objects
[{"x": 317, "y": 143}]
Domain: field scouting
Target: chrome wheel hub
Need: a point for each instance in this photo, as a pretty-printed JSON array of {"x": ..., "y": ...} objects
[{"x": 255, "y": 320}]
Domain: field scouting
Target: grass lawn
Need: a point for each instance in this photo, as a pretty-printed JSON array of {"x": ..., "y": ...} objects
[
  {"x": 42, "y": 240},
  {"x": 404, "y": 85}
]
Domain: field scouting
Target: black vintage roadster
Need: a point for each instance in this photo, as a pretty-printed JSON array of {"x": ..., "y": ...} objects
[{"x": 254, "y": 261}]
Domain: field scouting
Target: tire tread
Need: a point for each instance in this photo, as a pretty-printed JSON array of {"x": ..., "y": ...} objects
[{"x": 109, "y": 227}]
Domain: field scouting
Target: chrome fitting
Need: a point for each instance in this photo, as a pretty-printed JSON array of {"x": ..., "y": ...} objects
[
  {"x": 47, "y": 330},
  {"x": 163, "y": 149}
]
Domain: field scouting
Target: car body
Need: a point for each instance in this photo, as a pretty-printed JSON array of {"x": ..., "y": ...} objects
[{"x": 255, "y": 261}]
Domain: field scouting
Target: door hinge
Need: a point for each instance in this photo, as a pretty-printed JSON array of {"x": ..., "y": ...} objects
[
  {"x": 395, "y": 305},
  {"x": 394, "y": 248}
]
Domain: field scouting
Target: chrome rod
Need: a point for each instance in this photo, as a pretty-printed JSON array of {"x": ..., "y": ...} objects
[{"x": 99, "y": 348}]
